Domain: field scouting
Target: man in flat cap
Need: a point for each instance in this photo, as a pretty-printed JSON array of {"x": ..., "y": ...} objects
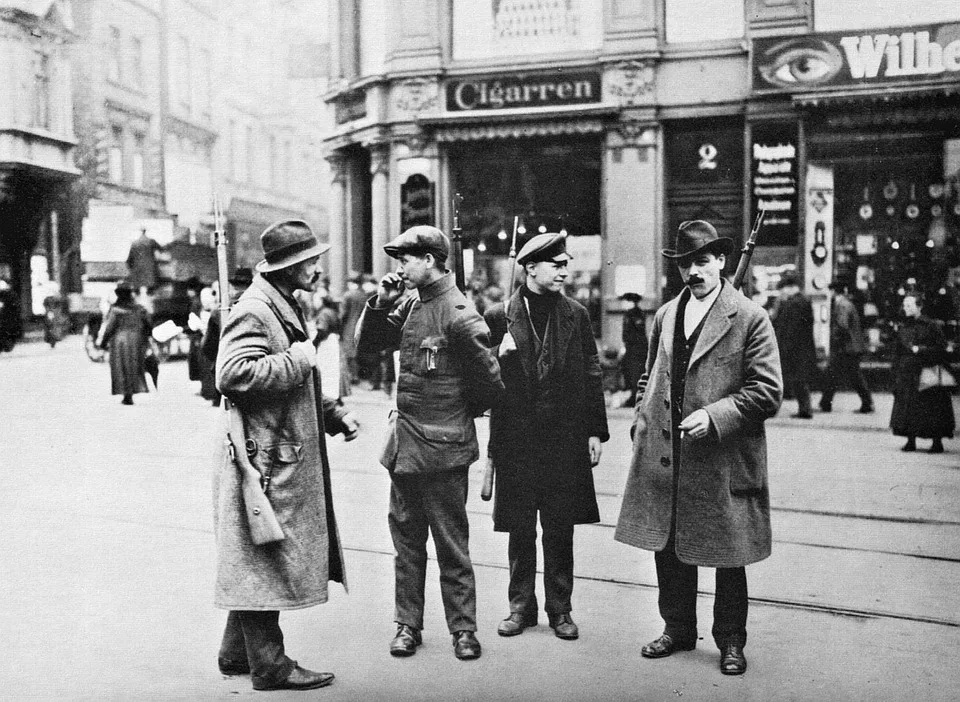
[
  {"x": 697, "y": 492},
  {"x": 266, "y": 367},
  {"x": 448, "y": 376},
  {"x": 545, "y": 434}
]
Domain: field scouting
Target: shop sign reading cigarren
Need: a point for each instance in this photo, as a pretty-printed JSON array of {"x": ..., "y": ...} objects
[
  {"x": 523, "y": 91},
  {"x": 928, "y": 54}
]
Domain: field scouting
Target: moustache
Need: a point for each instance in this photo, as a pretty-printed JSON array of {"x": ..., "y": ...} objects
[{"x": 694, "y": 280}]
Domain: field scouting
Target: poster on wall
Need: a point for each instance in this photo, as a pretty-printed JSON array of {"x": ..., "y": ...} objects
[
  {"x": 416, "y": 202},
  {"x": 774, "y": 182}
]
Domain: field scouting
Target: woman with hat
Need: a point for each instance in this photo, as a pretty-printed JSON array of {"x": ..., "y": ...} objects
[{"x": 126, "y": 334}]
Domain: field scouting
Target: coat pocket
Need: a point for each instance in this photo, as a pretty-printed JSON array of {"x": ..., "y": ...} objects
[
  {"x": 388, "y": 456},
  {"x": 276, "y": 461},
  {"x": 434, "y": 355}
]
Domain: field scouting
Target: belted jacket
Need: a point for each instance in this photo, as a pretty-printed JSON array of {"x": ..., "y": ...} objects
[{"x": 448, "y": 375}]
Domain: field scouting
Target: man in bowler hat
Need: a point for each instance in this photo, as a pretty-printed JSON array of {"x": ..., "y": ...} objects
[
  {"x": 448, "y": 376},
  {"x": 696, "y": 492},
  {"x": 267, "y": 367},
  {"x": 546, "y": 434}
]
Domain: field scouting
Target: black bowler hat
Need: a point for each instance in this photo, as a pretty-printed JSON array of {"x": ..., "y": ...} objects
[
  {"x": 287, "y": 243},
  {"x": 420, "y": 240},
  {"x": 544, "y": 247},
  {"x": 695, "y": 236}
]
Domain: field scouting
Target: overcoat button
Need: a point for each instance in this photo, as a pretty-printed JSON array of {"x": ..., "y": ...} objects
[
  {"x": 256, "y": 510},
  {"x": 664, "y": 461}
]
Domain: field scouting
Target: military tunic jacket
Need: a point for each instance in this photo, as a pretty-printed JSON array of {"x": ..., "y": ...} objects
[
  {"x": 448, "y": 375},
  {"x": 722, "y": 500}
]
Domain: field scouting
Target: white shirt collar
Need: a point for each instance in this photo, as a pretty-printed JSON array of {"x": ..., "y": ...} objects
[{"x": 696, "y": 310}]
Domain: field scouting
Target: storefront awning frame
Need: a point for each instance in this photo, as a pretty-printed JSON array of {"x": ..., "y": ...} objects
[{"x": 479, "y": 125}]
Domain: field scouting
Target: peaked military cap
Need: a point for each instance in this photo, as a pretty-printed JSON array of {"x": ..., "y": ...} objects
[{"x": 544, "y": 247}]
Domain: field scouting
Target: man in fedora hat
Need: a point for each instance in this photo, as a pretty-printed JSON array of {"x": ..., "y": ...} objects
[
  {"x": 696, "y": 492},
  {"x": 266, "y": 367},
  {"x": 546, "y": 434},
  {"x": 448, "y": 376}
]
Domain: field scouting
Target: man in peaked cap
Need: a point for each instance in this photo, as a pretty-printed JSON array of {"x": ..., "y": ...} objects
[
  {"x": 545, "y": 434},
  {"x": 448, "y": 376},
  {"x": 696, "y": 492},
  {"x": 266, "y": 366}
]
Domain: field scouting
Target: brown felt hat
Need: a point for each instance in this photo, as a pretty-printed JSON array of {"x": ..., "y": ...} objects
[{"x": 287, "y": 243}]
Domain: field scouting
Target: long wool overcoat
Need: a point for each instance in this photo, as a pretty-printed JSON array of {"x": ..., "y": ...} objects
[
  {"x": 722, "y": 499},
  {"x": 277, "y": 391},
  {"x": 538, "y": 439},
  {"x": 126, "y": 333}
]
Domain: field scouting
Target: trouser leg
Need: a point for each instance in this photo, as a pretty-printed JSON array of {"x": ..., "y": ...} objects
[
  {"x": 557, "y": 566},
  {"x": 829, "y": 383},
  {"x": 445, "y": 503},
  {"x": 678, "y": 595},
  {"x": 802, "y": 389},
  {"x": 855, "y": 377},
  {"x": 264, "y": 641},
  {"x": 233, "y": 648},
  {"x": 730, "y": 607},
  {"x": 522, "y": 554},
  {"x": 408, "y": 527}
]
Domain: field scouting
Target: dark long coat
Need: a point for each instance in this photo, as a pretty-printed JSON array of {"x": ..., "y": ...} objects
[
  {"x": 723, "y": 501},
  {"x": 538, "y": 440},
  {"x": 793, "y": 324},
  {"x": 126, "y": 333},
  {"x": 285, "y": 414},
  {"x": 927, "y": 414},
  {"x": 634, "y": 335}
]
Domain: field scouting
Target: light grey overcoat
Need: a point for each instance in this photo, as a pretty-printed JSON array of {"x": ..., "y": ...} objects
[
  {"x": 278, "y": 394},
  {"x": 722, "y": 500}
]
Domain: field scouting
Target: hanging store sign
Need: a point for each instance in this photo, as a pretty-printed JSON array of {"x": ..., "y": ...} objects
[
  {"x": 773, "y": 180},
  {"x": 523, "y": 91},
  {"x": 842, "y": 59}
]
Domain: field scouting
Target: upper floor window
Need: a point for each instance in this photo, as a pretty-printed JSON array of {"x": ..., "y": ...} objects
[
  {"x": 115, "y": 155},
  {"x": 41, "y": 91},
  {"x": 232, "y": 149},
  {"x": 138, "y": 162},
  {"x": 832, "y": 16},
  {"x": 206, "y": 84},
  {"x": 136, "y": 62},
  {"x": 114, "y": 55},
  {"x": 183, "y": 76},
  {"x": 689, "y": 21},
  {"x": 251, "y": 160}
]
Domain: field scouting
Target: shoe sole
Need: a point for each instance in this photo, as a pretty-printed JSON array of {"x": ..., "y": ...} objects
[
  {"x": 467, "y": 656},
  {"x": 317, "y": 686},
  {"x": 401, "y": 652},
  {"x": 646, "y": 653},
  {"x": 567, "y": 637},
  {"x": 733, "y": 672}
]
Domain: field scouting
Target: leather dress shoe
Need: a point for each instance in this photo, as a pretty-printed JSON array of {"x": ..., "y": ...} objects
[
  {"x": 465, "y": 645},
  {"x": 563, "y": 626},
  {"x": 228, "y": 667},
  {"x": 732, "y": 660},
  {"x": 515, "y": 624},
  {"x": 665, "y": 646},
  {"x": 299, "y": 679},
  {"x": 406, "y": 641}
]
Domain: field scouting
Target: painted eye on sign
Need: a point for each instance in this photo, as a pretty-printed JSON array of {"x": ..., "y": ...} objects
[{"x": 708, "y": 157}]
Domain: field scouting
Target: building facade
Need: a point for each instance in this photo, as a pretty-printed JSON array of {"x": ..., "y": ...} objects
[
  {"x": 617, "y": 120},
  {"x": 36, "y": 151}
]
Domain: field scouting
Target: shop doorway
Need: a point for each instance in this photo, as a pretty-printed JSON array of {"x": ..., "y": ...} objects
[{"x": 549, "y": 185}]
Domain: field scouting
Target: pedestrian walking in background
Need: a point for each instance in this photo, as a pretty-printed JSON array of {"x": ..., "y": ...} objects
[
  {"x": 266, "y": 366},
  {"x": 9, "y": 316},
  {"x": 546, "y": 433},
  {"x": 326, "y": 325},
  {"x": 448, "y": 376},
  {"x": 142, "y": 264},
  {"x": 239, "y": 282},
  {"x": 635, "y": 344},
  {"x": 847, "y": 346},
  {"x": 921, "y": 408},
  {"x": 697, "y": 492},
  {"x": 351, "y": 308},
  {"x": 126, "y": 334},
  {"x": 792, "y": 316}
]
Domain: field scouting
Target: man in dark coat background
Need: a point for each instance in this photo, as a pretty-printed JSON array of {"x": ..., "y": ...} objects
[
  {"x": 545, "y": 434},
  {"x": 266, "y": 366},
  {"x": 142, "y": 262},
  {"x": 635, "y": 344},
  {"x": 792, "y": 317},
  {"x": 697, "y": 491},
  {"x": 847, "y": 346},
  {"x": 448, "y": 376}
]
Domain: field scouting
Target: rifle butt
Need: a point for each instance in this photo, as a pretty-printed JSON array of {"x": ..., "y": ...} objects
[{"x": 486, "y": 491}]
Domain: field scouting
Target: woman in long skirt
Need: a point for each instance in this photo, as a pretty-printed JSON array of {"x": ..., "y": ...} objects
[{"x": 926, "y": 413}]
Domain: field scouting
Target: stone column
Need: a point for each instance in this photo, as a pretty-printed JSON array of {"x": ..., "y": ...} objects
[
  {"x": 379, "y": 206},
  {"x": 336, "y": 263}
]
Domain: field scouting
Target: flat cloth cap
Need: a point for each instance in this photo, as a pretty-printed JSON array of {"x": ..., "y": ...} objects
[
  {"x": 544, "y": 247},
  {"x": 420, "y": 240}
]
